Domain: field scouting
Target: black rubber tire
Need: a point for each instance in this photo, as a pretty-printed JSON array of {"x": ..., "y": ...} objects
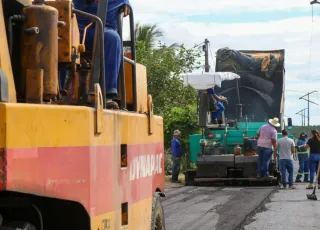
[{"x": 157, "y": 218}]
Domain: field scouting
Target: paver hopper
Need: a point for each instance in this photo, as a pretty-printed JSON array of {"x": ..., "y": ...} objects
[{"x": 225, "y": 152}]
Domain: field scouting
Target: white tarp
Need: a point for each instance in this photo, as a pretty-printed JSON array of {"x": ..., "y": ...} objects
[{"x": 208, "y": 80}]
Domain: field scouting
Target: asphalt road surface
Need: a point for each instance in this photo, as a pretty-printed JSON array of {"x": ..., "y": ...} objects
[
  {"x": 240, "y": 208},
  {"x": 209, "y": 208}
]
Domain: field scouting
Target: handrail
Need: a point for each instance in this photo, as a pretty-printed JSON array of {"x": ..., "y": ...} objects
[
  {"x": 98, "y": 48},
  {"x": 98, "y": 71},
  {"x": 121, "y": 82},
  {"x": 133, "y": 56},
  {"x": 98, "y": 68},
  {"x": 121, "y": 79},
  {"x": 129, "y": 60}
]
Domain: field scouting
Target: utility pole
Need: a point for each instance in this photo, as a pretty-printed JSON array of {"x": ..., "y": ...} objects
[
  {"x": 308, "y": 100},
  {"x": 206, "y": 55},
  {"x": 302, "y": 114}
]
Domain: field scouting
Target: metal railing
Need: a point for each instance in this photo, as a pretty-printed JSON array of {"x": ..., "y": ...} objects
[
  {"x": 132, "y": 45},
  {"x": 98, "y": 68}
]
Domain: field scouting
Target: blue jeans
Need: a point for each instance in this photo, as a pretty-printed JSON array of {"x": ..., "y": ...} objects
[
  {"x": 265, "y": 155},
  {"x": 286, "y": 165},
  {"x": 175, "y": 168},
  {"x": 62, "y": 77},
  {"x": 112, "y": 55},
  {"x": 313, "y": 164},
  {"x": 215, "y": 115},
  {"x": 303, "y": 167}
]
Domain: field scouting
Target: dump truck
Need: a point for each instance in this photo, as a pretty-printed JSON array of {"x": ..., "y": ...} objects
[
  {"x": 67, "y": 162},
  {"x": 225, "y": 150}
]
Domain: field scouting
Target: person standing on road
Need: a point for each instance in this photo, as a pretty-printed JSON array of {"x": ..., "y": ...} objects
[
  {"x": 287, "y": 149},
  {"x": 267, "y": 138},
  {"x": 176, "y": 152},
  {"x": 303, "y": 159},
  {"x": 314, "y": 145}
]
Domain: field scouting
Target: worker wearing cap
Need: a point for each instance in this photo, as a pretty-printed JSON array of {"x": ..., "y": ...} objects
[
  {"x": 210, "y": 139},
  {"x": 219, "y": 106},
  {"x": 112, "y": 41},
  {"x": 267, "y": 138},
  {"x": 208, "y": 143},
  {"x": 303, "y": 157},
  {"x": 176, "y": 152}
]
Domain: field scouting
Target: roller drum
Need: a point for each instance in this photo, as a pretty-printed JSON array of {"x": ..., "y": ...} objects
[{"x": 40, "y": 46}]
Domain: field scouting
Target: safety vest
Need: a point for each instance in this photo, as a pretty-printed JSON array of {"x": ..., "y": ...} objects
[
  {"x": 304, "y": 152},
  {"x": 302, "y": 149}
]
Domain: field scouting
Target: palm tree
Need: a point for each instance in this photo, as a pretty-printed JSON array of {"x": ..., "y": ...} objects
[{"x": 149, "y": 34}]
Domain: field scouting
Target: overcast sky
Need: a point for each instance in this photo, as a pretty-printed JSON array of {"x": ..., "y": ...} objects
[{"x": 249, "y": 24}]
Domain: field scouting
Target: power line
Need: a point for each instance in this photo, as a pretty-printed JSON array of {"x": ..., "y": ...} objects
[
  {"x": 294, "y": 91},
  {"x": 308, "y": 100},
  {"x": 312, "y": 79},
  {"x": 303, "y": 118},
  {"x": 311, "y": 40},
  {"x": 311, "y": 37},
  {"x": 198, "y": 45}
]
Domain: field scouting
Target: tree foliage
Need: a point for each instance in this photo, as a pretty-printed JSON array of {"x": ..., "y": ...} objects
[
  {"x": 147, "y": 33},
  {"x": 164, "y": 67},
  {"x": 182, "y": 118},
  {"x": 171, "y": 98}
]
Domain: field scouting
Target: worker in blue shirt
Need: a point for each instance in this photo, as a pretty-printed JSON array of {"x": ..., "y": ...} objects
[
  {"x": 219, "y": 106},
  {"x": 112, "y": 41},
  {"x": 176, "y": 152},
  {"x": 303, "y": 157}
]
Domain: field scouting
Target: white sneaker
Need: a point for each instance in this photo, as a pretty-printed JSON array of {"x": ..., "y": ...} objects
[{"x": 283, "y": 187}]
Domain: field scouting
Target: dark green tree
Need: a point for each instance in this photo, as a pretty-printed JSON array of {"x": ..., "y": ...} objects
[
  {"x": 165, "y": 65},
  {"x": 149, "y": 34},
  {"x": 172, "y": 100}
]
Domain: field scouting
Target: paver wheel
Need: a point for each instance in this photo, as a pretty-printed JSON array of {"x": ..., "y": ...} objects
[{"x": 157, "y": 219}]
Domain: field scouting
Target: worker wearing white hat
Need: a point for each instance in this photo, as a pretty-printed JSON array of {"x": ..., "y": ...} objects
[{"x": 267, "y": 138}]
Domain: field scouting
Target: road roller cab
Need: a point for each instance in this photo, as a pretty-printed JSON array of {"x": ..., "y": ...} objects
[{"x": 41, "y": 59}]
